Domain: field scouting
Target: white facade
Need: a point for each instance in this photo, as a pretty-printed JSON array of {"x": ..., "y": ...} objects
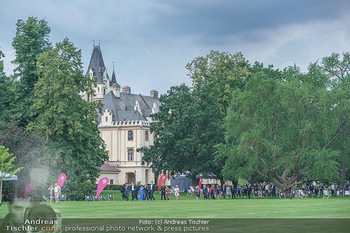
[{"x": 124, "y": 124}]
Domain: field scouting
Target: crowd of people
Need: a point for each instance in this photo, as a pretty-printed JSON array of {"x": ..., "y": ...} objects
[
  {"x": 208, "y": 191},
  {"x": 214, "y": 191},
  {"x": 145, "y": 192}
]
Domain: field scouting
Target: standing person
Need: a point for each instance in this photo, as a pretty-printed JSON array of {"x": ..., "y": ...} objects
[
  {"x": 311, "y": 187},
  {"x": 126, "y": 191},
  {"x": 245, "y": 189},
  {"x": 249, "y": 190},
  {"x": 142, "y": 193},
  {"x": 224, "y": 191},
  {"x": 57, "y": 190},
  {"x": 205, "y": 192},
  {"x": 167, "y": 190},
  {"x": 332, "y": 188},
  {"x": 152, "y": 188},
  {"x": 147, "y": 192},
  {"x": 177, "y": 190},
  {"x": 198, "y": 193},
  {"x": 233, "y": 192},
  {"x": 133, "y": 191},
  {"x": 217, "y": 191},
  {"x": 267, "y": 189},
  {"x": 162, "y": 192},
  {"x": 256, "y": 187},
  {"x": 122, "y": 190},
  {"x": 272, "y": 187},
  {"x": 316, "y": 189},
  {"x": 212, "y": 192},
  {"x": 263, "y": 187},
  {"x": 51, "y": 193},
  {"x": 239, "y": 192},
  {"x": 321, "y": 189}
]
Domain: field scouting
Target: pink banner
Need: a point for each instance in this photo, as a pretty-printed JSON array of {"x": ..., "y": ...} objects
[
  {"x": 200, "y": 182},
  {"x": 61, "y": 180},
  {"x": 162, "y": 179},
  {"x": 28, "y": 188},
  {"x": 101, "y": 185}
]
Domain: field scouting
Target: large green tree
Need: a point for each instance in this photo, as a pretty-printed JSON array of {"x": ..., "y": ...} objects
[
  {"x": 186, "y": 129},
  {"x": 337, "y": 70},
  {"x": 68, "y": 123},
  {"x": 31, "y": 39},
  {"x": 281, "y": 129},
  {"x": 220, "y": 72},
  {"x": 5, "y": 92}
]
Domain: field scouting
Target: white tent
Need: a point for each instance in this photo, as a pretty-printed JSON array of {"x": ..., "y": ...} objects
[{"x": 7, "y": 176}]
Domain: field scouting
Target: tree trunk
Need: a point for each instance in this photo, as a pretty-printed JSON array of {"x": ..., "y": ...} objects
[
  {"x": 343, "y": 168},
  {"x": 194, "y": 181},
  {"x": 342, "y": 176},
  {"x": 282, "y": 183}
]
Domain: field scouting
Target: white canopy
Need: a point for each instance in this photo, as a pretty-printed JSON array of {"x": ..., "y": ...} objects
[{"x": 7, "y": 176}]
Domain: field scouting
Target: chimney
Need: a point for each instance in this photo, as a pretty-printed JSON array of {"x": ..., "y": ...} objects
[
  {"x": 126, "y": 89},
  {"x": 116, "y": 89},
  {"x": 154, "y": 94}
]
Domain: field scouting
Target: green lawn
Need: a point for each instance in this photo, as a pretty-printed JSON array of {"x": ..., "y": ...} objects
[{"x": 188, "y": 207}]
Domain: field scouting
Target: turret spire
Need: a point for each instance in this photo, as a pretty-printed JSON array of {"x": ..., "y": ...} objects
[{"x": 114, "y": 80}]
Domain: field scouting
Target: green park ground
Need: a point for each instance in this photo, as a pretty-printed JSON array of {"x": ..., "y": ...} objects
[{"x": 189, "y": 207}]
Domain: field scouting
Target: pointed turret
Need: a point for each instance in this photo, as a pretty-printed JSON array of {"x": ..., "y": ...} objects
[
  {"x": 114, "y": 80},
  {"x": 97, "y": 65}
]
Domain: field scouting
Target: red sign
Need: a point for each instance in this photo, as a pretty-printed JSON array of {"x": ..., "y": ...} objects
[
  {"x": 162, "y": 179},
  {"x": 200, "y": 182}
]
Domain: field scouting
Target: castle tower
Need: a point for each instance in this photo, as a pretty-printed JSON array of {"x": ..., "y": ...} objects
[{"x": 99, "y": 71}]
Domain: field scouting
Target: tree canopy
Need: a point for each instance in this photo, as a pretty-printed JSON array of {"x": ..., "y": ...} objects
[
  {"x": 282, "y": 129},
  {"x": 187, "y": 127},
  {"x": 66, "y": 120},
  {"x": 31, "y": 39},
  {"x": 220, "y": 72}
]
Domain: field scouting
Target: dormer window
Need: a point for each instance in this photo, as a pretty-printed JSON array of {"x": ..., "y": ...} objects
[{"x": 106, "y": 119}]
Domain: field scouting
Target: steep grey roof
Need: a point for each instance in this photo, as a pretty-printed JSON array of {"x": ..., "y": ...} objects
[
  {"x": 130, "y": 116},
  {"x": 96, "y": 64},
  {"x": 123, "y": 108},
  {"x": 114, "y": 80}
]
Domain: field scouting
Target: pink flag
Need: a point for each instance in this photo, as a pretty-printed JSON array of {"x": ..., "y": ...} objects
[
  {"x": 61, "y": 180},
  {"x": 28, "y": 188},
  {"x": 101, "y": 185},
  {"x": 162, "y": 179},
  {"x": 200, "y": 182}
]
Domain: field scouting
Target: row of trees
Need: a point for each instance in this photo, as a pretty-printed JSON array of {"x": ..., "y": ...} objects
[
  {"x": 43, "y": 120},
  {"x": 258, "y": 123},
  {"x": 238, "y": 120}
]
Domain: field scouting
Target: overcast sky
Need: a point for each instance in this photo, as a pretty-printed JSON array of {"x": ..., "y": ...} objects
[{"x": 151, "y": 41}]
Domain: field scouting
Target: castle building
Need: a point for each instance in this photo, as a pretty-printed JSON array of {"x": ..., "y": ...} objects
[{"x": 124, "y": 124}]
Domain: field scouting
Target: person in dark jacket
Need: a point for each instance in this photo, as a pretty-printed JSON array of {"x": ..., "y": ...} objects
[{"x": 205, "y": 192}]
